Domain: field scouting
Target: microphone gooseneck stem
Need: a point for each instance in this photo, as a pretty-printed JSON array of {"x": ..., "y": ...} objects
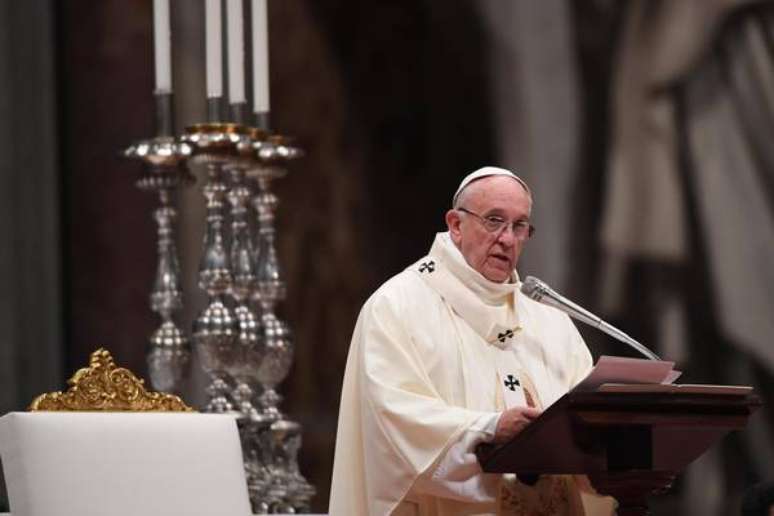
[
  {"x": 539, "y": 291},
  {"x": 623, "y": 337}
]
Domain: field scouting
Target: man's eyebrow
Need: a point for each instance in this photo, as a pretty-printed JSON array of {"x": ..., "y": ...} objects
[
  {"x": 494, "y": 211},
  {"x": 500, "y": 213}
]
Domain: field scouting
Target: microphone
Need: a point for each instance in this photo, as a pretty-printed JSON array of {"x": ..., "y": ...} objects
[{"x": 542, "y": 293}]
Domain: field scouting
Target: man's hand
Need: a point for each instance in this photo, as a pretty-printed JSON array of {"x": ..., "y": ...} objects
[{"x": 513, "y": 421}]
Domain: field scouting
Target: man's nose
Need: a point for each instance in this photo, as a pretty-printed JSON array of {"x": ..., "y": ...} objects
[{"x": 506, "y": 237}]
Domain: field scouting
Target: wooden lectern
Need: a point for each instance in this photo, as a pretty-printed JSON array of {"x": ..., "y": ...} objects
[{"x": 630, "y": 442}]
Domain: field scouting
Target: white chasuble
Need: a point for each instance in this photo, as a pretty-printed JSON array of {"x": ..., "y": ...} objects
[{"x": 437, "y": 353}]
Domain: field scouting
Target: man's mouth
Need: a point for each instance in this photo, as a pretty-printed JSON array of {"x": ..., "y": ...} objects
[{"x": 501, "y": 258}]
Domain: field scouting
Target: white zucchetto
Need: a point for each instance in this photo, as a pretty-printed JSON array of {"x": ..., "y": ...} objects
[{"x": 485, "y": 172}]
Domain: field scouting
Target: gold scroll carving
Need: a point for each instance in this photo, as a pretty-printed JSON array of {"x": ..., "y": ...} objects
[{"x": 103, "y": 386}]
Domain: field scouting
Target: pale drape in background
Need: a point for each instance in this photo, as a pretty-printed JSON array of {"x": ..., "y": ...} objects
[
  {"x": 690, "y": 186},
  {"x": 726, "y": 117},
  {"x": 729, "y": 121}
]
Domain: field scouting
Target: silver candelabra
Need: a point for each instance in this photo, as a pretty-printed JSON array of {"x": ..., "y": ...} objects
[
  {"x": 243, "y": 346},
  {"x": 169, "y": 354}
]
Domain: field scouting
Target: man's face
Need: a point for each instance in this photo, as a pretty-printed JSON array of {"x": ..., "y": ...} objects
[{"x": 493, "y": 255}]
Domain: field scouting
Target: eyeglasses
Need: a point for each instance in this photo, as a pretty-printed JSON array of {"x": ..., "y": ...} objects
[{"x": 495, "y": 224}]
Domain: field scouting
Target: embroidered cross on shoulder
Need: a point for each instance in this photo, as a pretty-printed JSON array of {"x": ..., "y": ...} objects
[
  {"x": 511, "y": 382},
  {"x": 505, "y": 335},
  {"x": 427, "y": 266}
]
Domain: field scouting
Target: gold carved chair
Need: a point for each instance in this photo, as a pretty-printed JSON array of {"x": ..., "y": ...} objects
[{"x": 108, "y": 447}]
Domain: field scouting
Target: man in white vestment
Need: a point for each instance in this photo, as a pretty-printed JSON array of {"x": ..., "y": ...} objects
[{"x": 448, "y": 354}]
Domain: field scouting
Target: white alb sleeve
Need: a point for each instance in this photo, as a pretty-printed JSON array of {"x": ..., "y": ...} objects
[{"x": 458, "y": 475}]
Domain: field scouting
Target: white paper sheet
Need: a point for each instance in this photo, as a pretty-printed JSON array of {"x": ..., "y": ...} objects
[{"x": 627, "y": 371}]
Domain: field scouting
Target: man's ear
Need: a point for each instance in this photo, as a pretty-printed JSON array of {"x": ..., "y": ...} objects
[{"x": 453, "y": 221}]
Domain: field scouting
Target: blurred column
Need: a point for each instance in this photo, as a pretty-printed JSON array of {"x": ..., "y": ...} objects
[
  {"x": 536, "y": 97},
  {"x": 30, "y": 253},
  {"x": 188, "y": 67}
]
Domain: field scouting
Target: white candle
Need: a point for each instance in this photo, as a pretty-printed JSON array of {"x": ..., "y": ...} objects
[
  {"x": 162, "y": 46},
  {"x": 214, "y": 48},
  {"x": 260, "y": 57},
  {"x": 236, "y": 52}
]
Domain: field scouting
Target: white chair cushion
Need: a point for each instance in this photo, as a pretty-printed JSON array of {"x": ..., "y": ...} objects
[{"x": 122, "y": 464}]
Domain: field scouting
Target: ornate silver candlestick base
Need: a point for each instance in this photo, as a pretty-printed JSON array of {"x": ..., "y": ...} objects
[
  {"x": 216, "y": 146},
  {"x": 249, "y": 349},
  {"x": 272, "y": 155},
  {"x": 287, "y": 440},
  {"x": 286, "y": 491},
  {"x": 169, "y": 354}
]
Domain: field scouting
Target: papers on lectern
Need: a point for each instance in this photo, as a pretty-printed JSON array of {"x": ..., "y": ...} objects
[
  {"x": 622, "y": 374},
  {"x": 628, "y": 371}
]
